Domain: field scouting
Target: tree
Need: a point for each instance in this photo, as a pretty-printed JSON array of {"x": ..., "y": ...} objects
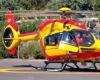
[
  {"x": 97, "y": 5},
  {"x": 9, "y": 4},
  {"x": 86, "y": 5},
  {"x": 40, "y": 4},
  {"x": 23, "y": 4},
  {"x": 33, "y": 4},
  {"x": 75, "y": 4},
  {"x": 51, "y": 4}
]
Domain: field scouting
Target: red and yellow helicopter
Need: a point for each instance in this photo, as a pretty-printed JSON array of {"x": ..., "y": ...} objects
[{"x": 61, "y": 41}]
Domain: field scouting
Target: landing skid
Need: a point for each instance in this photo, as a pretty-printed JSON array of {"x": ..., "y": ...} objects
[{"x": 65, "y": 66}]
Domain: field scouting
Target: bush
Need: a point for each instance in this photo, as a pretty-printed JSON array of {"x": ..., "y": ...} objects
[
  {"x": 37, "y": 52},
  {"x": 30, "y": 50}
]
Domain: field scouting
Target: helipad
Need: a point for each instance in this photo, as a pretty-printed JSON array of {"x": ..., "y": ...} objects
[{"x": 16, "y": 70}]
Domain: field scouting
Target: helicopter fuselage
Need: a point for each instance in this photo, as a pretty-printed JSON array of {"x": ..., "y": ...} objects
[{"x": 58, "y": 41}]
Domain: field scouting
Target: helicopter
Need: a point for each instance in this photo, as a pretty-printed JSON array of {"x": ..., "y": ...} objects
[{"x": 58, "y": 41}]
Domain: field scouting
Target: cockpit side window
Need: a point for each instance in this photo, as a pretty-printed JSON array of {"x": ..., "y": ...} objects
[
  {"x": 68, "y": 38},
  {"x": 83, "y": 38}
]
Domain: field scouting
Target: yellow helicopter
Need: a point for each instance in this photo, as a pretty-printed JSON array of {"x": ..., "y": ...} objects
[{"x": 61, "y": 41}]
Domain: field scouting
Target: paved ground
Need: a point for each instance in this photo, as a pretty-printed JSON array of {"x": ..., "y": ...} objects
[{"x": 13, "y": 69}]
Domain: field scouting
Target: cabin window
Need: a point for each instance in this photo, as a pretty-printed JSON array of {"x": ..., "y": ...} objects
[{"x": 53, "y": 39}]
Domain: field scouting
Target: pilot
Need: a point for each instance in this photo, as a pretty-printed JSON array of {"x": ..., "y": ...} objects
[{"x": 79, "y": 39}]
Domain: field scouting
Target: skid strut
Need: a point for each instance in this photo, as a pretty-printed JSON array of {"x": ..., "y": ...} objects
[
  {"x": 94, "y": 64},
  {"x": 64, "y": 66}
]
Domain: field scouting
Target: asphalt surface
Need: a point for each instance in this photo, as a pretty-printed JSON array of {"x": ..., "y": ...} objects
[{"x": 14, "y": 69}]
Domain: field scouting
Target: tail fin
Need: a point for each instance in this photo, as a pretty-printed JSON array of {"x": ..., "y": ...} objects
[
  {"x": 12, "y": 52},
  {"x": 12, "y": 37},
  {"x": 9, "y": 18},
  {"x": 8, "y": 36}
]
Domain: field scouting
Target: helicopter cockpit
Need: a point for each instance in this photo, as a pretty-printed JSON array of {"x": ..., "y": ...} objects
[{"x": 73, "y": 37}]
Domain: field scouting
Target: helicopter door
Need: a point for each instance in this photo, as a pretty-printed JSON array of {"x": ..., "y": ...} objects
[
  {"x": 52, "y": 41},
  {"x": 68, "y": 42}
]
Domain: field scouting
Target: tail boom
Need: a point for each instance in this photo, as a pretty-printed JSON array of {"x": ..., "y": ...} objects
[{"x": 29, "y": 36}]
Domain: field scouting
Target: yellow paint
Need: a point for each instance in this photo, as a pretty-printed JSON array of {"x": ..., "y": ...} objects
[
  {"x": 55, "y": 52},
  {"x": 68, "y": 47},
  {"x": 51, "y": 29},
  {"x": 98, "y": 46},
  {"x": 15, "y": 41},
  {"x": 18, "y": 71},
  {"x": 65, "y": 9},
  {"x": 29, "y": 37}
]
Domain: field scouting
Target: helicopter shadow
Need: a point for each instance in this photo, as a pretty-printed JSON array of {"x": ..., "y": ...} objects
[
  {"x": 23, "y": 66},
  {"x": 65, "y": 70},
  {"x": 81, "y": 70}
]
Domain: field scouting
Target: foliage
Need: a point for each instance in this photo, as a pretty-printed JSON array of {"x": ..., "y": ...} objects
[
  {"x": 27, "y": 26},
  {"x": 23, "y": 4},
  {"x": 97, "y": 6},
  {"x": 1, "y": 47},
  {"x": 30, "y": 51},
  {"x": 49, "y": 4},
  {"x": 1, "y": 51},
  {"x": 9, "y": 4},
  {"x": 37, "y": 52},
  {"x": 75, "y": 4},
  {"x": 24, "y": 52},
  {"x": 1, "y": 57}
]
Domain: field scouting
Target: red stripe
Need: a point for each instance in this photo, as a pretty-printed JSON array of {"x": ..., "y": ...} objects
[
  {"x": 72, "y": 22},
  {"x": 76, "y": 56},
  {"x": 68, "y": 21},
  {"x": 26, "y": 34},
  {"x": 44, "y": 24},
  {"x": 42, "y": 48},
  {"x": 77, "y": 24}
]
